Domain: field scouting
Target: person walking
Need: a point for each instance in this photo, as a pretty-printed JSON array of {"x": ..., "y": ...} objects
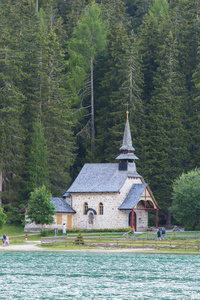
[
  {"x": 158, "y": 234},
  {"x": 163, "y": 234},
  {"x": 7, "y": 240},
  {"x": 3, "y": 239},
  {"x": 64, "y": 229}
]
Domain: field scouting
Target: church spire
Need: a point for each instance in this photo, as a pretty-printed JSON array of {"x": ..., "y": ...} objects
[{"x": 127, "y": 150}]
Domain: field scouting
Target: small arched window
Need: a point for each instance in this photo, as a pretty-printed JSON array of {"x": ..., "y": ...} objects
[
  {"x": 85, "y": 208},
  {"x": 101, "y": 208},
  {"x": 91, "y": 218}
]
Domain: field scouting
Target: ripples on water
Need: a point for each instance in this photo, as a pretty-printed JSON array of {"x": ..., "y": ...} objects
[{"x": 53, "y": 275}]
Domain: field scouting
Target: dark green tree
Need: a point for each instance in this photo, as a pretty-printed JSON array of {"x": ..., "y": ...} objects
[
  {"x": 89, "y": 38},
  {"x": 152, "y": 33},
  {"x": 37, "y": 167},
  {"x": 165, "y": 149},
  {"x": 55, "y": 104},
  {"x": 123, "y": 82},
  {"x": 194, "y": 132},
  {"x": 2, "y": 218},
  {"x": 186, "y": 198},
  {"x": 40, "y": 209},
  {"x": 11, "y": 108}
]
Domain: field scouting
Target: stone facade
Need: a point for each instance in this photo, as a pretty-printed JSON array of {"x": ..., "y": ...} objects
[
  {"x": 112, "y": 217},
  {"x": 63, "y": 218}
]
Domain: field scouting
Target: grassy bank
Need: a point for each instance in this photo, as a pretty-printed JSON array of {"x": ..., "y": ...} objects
[{"x": 110, "y": 241}]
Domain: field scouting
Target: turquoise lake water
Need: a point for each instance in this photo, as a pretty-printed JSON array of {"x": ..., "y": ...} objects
[{"x": 56, "y": 275}]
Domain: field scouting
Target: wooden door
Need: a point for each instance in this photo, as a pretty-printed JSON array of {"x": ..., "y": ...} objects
[
  {"x": 69, "y": 221},
  {"x": 59, "y": 219}
]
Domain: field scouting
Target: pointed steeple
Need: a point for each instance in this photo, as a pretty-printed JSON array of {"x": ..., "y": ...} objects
[
  {"x": 127, "y": 149},
  {"x": 127, "y": 140},
  {"x": 127, "y": 155}
]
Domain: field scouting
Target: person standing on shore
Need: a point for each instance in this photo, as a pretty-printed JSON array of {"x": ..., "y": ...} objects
[
  {"x": 26, "y": 237},
  {"x": 7, "y": 240},
  {"x": 158, "y": 234},
  {"x": 64, "y": 229},
  {"x": 163, "y": 233},
  {"x": 3, "y": 239}
]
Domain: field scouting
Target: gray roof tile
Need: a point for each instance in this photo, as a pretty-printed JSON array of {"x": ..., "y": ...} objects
[
  {"x": 127, "y": 140},
  {"x": 133, "y": 196},
  {"x": 61, "y": 206},
  {"x": 99, "y": 178}
]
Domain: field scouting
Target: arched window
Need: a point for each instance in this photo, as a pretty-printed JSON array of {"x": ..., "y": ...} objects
[
  {"x": 85, "y": 208},
  {"x": 91, "y": 218},
  {"x": 101, "y": 208}
]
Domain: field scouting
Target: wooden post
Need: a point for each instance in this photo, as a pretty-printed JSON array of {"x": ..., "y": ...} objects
[
  {"x": 156, "y": 218},
  {"x": 132, "y": 218}
]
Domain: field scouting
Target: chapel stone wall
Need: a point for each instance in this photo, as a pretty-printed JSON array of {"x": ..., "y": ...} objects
[{"x": 112, "y": 217}]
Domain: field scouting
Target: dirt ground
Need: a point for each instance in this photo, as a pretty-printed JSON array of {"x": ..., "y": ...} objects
[{"x": 36, "y": 247}]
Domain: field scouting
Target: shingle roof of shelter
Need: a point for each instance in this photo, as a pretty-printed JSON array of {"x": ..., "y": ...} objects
[
  {"x": 133, "y": 196},
  {"x": 61, "y": 206},
  {"x": 100, "y": 178}
]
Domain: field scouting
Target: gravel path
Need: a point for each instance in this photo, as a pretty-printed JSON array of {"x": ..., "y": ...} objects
[{"x": 33, "y": 247}]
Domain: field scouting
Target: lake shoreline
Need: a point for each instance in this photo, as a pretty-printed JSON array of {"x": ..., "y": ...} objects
[{"x": 37, "y": 248}]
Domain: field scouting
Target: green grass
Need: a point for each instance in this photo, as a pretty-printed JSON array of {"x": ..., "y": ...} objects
[
  {"x": 11, "y": 230},
  {"x": 172, "y": 235},
  {"x": 17, "y": 237},
  {"x": 17, "y": 234}
]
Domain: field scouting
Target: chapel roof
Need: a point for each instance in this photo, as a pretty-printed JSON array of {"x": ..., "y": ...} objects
[
  {"x": 102, "y": 178},
  {"x": 133, "y": 196},
  {"x": 61, "y": 205}
]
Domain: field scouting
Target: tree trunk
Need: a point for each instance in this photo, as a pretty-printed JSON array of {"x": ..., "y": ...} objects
[
  {"x": 92, "y": 107},
  {"x": 36, "y": 6},
  {"x": 169, "y": 216}
]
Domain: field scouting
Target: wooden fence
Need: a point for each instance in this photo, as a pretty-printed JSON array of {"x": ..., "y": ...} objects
[
  {"x": 175, "y": 235},
  {"x": 121, "y": 243}
]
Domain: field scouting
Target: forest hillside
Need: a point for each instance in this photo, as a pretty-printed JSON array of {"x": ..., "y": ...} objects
[{"x": 68, "y": 70}]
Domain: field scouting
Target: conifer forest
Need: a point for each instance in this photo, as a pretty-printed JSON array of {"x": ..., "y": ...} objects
[{"x": 68, "y": 70}]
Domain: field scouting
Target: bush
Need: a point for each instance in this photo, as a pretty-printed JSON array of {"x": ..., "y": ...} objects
[
  {"x": 44, "y": 233},
  {"x": 79, "y": 239},
  {"x": 14, "y": 217},
  {"x": 98, "y": 230},
  {"x": 197, "y": 227},
  {"x": 188, "y": 227}
]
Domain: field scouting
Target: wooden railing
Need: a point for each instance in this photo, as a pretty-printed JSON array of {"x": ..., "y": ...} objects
[{"x": 121, "y": 243}]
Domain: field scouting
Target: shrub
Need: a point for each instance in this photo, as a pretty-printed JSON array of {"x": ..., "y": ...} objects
[
  {"x": 79, "y": 239},
  {"x": 188, "y": 227},
  {"x": 197, "y": 227},
  {"x": 44, "y": 233}
]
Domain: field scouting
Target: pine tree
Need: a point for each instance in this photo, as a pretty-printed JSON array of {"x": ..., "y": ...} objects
[
  {"x": 11, "y": 108},
  {"x": 195, "y": 117},
  {"x": 37, "y": 167},
  {"x": 55, "y": 105},
  {"x": 123, "y": 81},
  {"x": 89, "y": 39},
  {"x": 152, "y": 33},
  {"x": 166, "y": 151}
]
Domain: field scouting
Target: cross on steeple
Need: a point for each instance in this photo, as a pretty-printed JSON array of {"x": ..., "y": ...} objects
[{"x": 127, "y": 112}]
